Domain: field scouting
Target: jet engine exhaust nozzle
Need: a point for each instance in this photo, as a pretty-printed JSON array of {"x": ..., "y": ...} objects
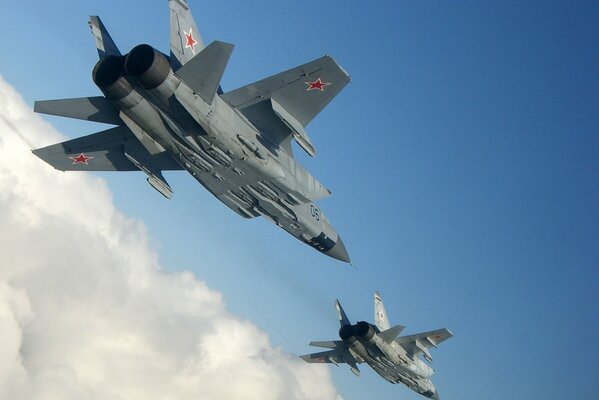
[
  {"x": 364, "y": 330},
  {"x": 346, "y": 332},
  {"x": 108, "y": 76},
  {"x": 148, "y": 65}
]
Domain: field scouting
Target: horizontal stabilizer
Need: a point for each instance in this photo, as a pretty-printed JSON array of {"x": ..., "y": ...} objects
[
  {"x": 390, "y": 334},
  {"x": 104, "y": 42},
  {"x": 203, "y": 72},
  {"x": 102, "y": 151},
  {"x": 328, "y": 344},
  {"x": 96, "y": 109}
]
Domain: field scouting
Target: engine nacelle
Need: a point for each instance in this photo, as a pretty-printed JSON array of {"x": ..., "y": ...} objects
[
  {"x": 108, "y": 76},
  {"x": 149, "y": 66},
  {"x": 364, "y": 330}
]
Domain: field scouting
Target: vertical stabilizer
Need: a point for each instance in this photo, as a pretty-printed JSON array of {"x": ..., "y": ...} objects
[
  {"x": 104, "y": 42},
  {"x": 204, "y": 72},
  {"x": 343, "y": 320},
  {"x": 380, "y": 315},
  {"x": 185, "y": 38}
]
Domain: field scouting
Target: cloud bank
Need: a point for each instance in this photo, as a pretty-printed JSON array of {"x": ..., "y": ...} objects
[{"x": 86, "y": 311}]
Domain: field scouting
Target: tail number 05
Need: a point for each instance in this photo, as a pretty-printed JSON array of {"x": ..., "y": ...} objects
[{"x": 314, "y": 212}]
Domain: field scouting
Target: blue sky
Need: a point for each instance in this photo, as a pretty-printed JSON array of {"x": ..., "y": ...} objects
[{"x": 463, "y": 161}]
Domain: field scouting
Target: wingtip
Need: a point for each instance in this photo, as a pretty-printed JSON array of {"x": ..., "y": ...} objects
[{"x": 38, "y": 153}]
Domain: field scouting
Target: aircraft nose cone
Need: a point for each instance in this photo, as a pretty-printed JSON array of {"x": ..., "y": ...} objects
[{"x": 339, "y": 251}]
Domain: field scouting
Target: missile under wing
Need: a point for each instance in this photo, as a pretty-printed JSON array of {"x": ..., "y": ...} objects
[
  {"x": 394, "y": 357},
  {"x": 169, "y": 112}
]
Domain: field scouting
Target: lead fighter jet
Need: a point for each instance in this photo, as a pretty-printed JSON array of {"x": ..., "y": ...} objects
[
  {"x": 171, "y": 114},
  {"x": 394, "y": 358}
]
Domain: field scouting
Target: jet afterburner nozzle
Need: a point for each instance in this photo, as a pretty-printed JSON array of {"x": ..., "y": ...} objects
[
  {"x": 346, "y": 332},
  {"x": 148, "y": 65},
  {"x": 364, "y": 330},
  {"x": 108, "y": 76}
]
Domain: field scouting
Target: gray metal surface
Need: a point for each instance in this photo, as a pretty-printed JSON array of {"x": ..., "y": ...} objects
[
  {"x": 394, "y": 358},
  {"x": 171, "y": 114}
]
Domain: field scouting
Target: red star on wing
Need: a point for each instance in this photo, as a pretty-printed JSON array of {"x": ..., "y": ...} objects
[
  {"x": 191, "y": 42},
  {"x": 316, "y": 85},
  {"x": 80, "y": 159}
]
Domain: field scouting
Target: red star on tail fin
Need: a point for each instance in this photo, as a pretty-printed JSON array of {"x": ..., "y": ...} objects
[{"x": 191, "y": 42}]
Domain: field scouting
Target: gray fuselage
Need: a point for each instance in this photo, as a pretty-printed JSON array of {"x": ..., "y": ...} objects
[{"x": 225, "y": 153}]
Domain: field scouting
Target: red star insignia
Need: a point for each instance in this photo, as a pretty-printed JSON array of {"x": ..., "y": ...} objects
[
  {"x": 80, "y": 159},
  {"x": 316, "y": 85},
  {"x": 191, "y": 42}
]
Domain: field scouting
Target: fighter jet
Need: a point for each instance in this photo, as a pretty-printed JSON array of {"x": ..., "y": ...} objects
[
  {"x": 397, "y": 359},
  {"x": 170, "y": 113}
]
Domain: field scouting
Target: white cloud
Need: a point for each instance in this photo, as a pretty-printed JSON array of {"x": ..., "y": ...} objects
[{"x": 87, "y": 313}]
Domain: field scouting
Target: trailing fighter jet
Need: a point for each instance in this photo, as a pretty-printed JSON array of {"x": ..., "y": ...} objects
[
  {"x": 394, "y": 358},
  {"x": 170, "y": 113}
]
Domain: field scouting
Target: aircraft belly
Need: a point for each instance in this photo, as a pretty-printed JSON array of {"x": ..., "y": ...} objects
[
  {"x": 239, "y": 187},
  {"x": 224, "y": 155},
  {"x": 239, "y": 180},
  {"x": 239, "y": 183},
  {"x": 395, "y": 373}
]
